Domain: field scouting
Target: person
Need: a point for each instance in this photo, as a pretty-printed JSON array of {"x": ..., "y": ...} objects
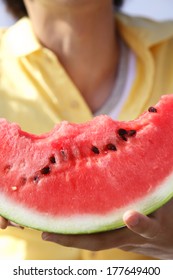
[{"x": 72, "y": 60}]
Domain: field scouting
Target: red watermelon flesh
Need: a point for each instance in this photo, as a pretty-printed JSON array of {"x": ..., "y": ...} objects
[{"x": 81, "y": 178}]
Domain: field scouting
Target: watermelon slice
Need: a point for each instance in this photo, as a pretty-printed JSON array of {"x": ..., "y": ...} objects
[{"x": 81, "y": 178}]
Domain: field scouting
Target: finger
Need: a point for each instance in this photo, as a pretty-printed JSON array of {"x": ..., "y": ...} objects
[
  {"x": 76, "y": 241},
  {"x": 3, "y": 223},
  {"x": 142, "y": 225},
  {"x": 10, "y": 223},
  {"x": 91, "y": 242},
  {"x": 94, "y": 242}
]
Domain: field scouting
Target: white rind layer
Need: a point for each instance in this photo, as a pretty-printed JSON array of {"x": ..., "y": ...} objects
[{"x": 85, "y": 223}]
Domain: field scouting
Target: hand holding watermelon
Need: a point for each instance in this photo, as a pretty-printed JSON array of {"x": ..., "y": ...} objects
[{"x": 149, "y": 236}]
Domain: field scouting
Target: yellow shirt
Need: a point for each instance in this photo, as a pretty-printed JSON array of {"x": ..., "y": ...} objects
[{"x": 36, "y": 92}]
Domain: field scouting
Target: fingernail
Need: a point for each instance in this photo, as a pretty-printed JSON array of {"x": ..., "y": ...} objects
[{"x": 132, "y": 221}]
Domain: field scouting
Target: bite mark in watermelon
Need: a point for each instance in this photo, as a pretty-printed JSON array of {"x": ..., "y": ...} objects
[{"x": 81, "y": 178}]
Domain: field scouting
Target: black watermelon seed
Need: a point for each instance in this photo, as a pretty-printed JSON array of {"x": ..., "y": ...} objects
[
  {"x": 111, "y": 147},
  {"x": 95, "y": 150},
  {"x": 152, "y": 110},
  {"x": 124, "y": 138},
  {"x": 131, "y": 132},
  {"x": 123, "y": 133},
  {"x": 52, "y": 159},
  {"x": 45, "y": 170}
]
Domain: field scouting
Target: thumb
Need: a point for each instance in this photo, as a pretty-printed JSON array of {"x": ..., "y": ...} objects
[{"x": 140, "y": 224}]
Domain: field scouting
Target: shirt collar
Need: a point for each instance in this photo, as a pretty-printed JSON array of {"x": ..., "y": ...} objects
[
  {"x": 20, "y": 40},
  {"x": 143, "y": 30}
]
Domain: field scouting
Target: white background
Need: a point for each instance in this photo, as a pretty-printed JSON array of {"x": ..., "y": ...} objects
[
  {"x": 5, "y": 18},
  {"x": 156, "y": 9},
  {"x": 106, "y": 269}
]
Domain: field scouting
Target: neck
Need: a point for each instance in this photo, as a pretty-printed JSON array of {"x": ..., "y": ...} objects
[{"x": 82, "y": 35}]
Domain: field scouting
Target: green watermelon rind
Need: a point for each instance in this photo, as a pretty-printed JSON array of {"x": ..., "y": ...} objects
[{"x": 85, "y": 223}]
